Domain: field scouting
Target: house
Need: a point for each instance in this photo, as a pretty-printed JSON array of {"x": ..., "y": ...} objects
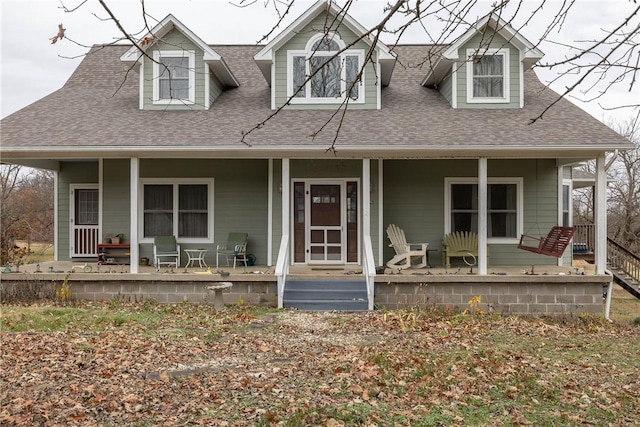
[{"x": 183, "y": 139}]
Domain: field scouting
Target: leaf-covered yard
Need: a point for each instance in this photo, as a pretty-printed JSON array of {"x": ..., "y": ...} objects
[{"x": 146, "y": 364}]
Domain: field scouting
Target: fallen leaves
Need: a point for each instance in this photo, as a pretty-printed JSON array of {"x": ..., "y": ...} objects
[{"x": 186, "y": 364}]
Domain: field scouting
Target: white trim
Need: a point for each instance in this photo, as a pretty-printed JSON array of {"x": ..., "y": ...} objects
[
  {"x": 72, "y": 213},
  {"x": 521, "y": 86},
  {"x": 141, "y": 86},
  {"x": 366, "y": 199},
  {"x": 518, "y": 181},
  {"x": 273, "y": 86},
  {"x": 378, "y": 87},
  {"x": 454, "y": 85},
  {"x": 380, "y": 212},
  {"x": 157, "y": 56},
  {"x": 207, "y": 87},
  {"x": 176, "y": 182},
  {"x": 307, "y": 53},
  {"x": 506, "y": 98},
  {"x": 561, "y": 183},
  {"x": 270, "y": 213},
  {"x": 134, "y": 250},
  {"x": 56, "y": 216},
  {"x": 287, "y": 226},
  {"x": 601, "y": 215},
  {"x": 100, "y": 198},
  {"x": 483, "y": 215}
]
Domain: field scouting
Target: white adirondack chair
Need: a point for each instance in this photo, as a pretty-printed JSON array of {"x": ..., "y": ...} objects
[{"x": 406, "y": 253}]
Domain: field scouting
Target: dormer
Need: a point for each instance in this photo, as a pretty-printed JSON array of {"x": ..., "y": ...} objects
[
  {"x": 325, "y": 40},
  {"x": 178, "y": 70},
  {"x": 484, "y": 68}
]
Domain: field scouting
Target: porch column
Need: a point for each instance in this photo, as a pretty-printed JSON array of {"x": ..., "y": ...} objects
[
  {"x": 366, "y": 197},
  {"x": 601, "y": 215},
  {"x": 56, "y": 215},
  {"x": 133, "y": 200},
  {"x": 286, "y": 194},
  {"x": 482, "y": 215}
]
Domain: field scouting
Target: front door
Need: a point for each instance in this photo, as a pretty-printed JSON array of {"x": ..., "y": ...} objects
[
  {"x": 326, "y": 231},
  {"x": 84, "y": 216}
]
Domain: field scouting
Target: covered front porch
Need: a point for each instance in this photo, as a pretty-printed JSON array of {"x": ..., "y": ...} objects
[{"x": 509, "y": 290}]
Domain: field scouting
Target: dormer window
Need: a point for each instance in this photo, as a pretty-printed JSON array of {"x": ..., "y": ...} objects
[
  {"x": 335, "y": 74},
  {"x": 174, "y": 77},
  {"x": 488, "y": 76}
]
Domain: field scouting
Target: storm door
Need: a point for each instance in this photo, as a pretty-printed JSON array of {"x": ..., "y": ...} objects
[
  {"x": 326, "y": 230},
  {"x": 84, "y": 221}
]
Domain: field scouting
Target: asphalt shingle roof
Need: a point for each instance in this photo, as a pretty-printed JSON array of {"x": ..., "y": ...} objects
[{"x": 97, "y": 111}]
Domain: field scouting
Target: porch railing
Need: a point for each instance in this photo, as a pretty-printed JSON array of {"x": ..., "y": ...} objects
[
  {"x": 369, "y": 269},
  {"x": 622, "y": 259},
  {"x": 584, "y": 241},
  {"x": 282, "y": 268},
  {"x": 85, "y": 241}
]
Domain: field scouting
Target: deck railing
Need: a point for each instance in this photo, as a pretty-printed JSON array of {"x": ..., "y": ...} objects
[
  {"x": 369, "y": 269},
  {"x": 282, "y": 268},
  {"x": 622, "y": 259},
  {"x": 85, "y": 241},
  {"x": 584, "y": 241}
]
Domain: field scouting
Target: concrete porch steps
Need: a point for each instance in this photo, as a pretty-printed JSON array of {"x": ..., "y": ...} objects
[{"x": 326, "y": 295}]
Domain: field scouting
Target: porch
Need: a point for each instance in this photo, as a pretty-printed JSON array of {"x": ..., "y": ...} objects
[{"x": 547, "y": 290}]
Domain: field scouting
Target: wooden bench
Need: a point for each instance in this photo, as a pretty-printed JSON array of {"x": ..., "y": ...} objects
[{"x": 459, "y": 244}]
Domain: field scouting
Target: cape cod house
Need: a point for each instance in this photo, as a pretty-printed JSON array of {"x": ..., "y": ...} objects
[{"x": 183, "y": 140}]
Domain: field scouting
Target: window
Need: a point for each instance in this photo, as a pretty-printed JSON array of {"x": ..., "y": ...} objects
[
  {"x": 566, "y": 203},
  {"x": 488, "y": 76},
  {"x": 182, "y": 209},
  {"x": 174, "y": 77},
  {"x": 504, "y": 207},
  {"x": 333, "y": 74}
]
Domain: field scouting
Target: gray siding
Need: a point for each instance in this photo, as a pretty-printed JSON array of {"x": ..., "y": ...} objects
[
  {"x": 215, "y": 87},
  {"x": 71, "y": 173},
  {"x": 174, "y": 40},
  {"x": 298, "y": 42},
  {"x": 514, "y": 72},
  {"x": 116, "y": 196},
  {"x": 240, "y": 198},
  {"x": 446, "y": 89},
  {"x": 419, "y": 208}
]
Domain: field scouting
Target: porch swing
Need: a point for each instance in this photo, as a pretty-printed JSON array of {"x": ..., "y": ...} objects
[{"x": 554, "y": 243}]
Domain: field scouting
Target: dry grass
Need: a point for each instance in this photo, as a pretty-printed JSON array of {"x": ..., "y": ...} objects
[
  {"x": 40, "y": 252},
  {"x": 625, "y": 308}
]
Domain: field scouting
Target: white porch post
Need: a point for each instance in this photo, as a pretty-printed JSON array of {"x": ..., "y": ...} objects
[
  {"x": 56, "y": 215},
  {"x": 133, "y": 200},
  {"x": 601, "y": 215},
  {"x": 366, "y": 197},
  {"x": 482, "y": 215},
  {"x": 270, "y": 214},
  {"x": 380, "y": 212},
  {"x": 286, "y": 194}
]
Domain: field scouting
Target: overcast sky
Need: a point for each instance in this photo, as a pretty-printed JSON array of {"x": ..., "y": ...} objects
[{"x": 31, "y": 67}]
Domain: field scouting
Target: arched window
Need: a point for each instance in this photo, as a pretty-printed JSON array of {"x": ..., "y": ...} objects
[{"x": 333, "y": 70}]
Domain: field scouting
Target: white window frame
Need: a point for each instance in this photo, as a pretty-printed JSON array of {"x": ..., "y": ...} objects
[
  {"x": 307, "y": 53},
  {"x": 471, "y": 53},
  {"x": 518, "y": 181},
  {"x": 157, "y": 70},
  {"x": 176, "y": 182}
]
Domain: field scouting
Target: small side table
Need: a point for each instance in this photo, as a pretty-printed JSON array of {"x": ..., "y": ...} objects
[{"x": 196, "y": 255}]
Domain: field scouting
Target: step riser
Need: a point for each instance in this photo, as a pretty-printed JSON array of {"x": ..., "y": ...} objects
[
  {"x": 319, "y": 295},
  {"x": 328, "y": 306}
]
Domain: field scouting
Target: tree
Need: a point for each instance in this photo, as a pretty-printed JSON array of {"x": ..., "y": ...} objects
[
  {"x": 624, "y": 191},
  {"x": 27, "y": 210}
]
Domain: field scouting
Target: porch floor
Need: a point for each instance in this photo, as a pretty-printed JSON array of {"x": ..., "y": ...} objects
[{"x": 265, "y": 273}]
